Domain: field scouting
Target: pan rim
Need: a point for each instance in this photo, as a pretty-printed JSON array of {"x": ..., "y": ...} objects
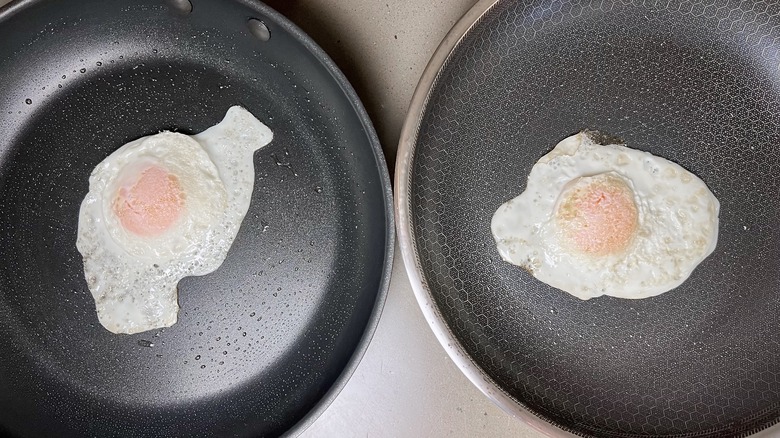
[
  {"x": 387, "y": 192},
  {"x": 402, "y": 204},
  {"x": 8, "y": 10}
]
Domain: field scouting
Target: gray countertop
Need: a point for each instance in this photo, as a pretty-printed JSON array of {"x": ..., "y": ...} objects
[{"x": 406, "y": 385}]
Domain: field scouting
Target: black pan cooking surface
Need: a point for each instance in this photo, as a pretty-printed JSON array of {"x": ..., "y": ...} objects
[{"x": 263, "y": 343}]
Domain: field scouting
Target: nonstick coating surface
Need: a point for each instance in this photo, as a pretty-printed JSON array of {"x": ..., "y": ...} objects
[
  {"x": 280, "y": 325},
  {"x": 694, "y": 82}
]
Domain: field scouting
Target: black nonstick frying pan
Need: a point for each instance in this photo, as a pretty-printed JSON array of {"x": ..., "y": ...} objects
[
  {"x": 263, "y": 343},
  {"x": 696, "y": 82}
]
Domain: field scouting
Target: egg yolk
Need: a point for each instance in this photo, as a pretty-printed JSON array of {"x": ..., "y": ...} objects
[
  {"x": 150, "y": 205},
  {"x": 597, "y": 215}
]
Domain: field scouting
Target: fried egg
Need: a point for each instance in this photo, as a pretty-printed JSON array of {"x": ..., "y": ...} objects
[
  {"x": 161, "y": 208},
  {"x": 608, "y": 220}
]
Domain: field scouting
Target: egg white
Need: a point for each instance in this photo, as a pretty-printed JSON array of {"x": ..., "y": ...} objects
[
  {"x": 677, "y": 230},
  {"x": 133, "y": 279}
]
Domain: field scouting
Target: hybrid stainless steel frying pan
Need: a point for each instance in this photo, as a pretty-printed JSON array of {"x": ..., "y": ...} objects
[{"x": 696, "y": 82}]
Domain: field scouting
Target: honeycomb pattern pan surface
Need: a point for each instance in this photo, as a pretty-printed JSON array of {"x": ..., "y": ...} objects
[{"x": 696, "y": 82}]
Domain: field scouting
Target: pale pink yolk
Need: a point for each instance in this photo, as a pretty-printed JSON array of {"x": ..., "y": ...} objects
[
  {"x": 597, "y": 215},
  {"x": 152, "y": 204}
]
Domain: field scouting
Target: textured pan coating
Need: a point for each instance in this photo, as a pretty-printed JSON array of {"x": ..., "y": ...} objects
[{"x": 693, "y": 81}]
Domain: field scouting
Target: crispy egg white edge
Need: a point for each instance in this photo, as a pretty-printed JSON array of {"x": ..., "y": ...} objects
[{"x": 532, "y": 212}]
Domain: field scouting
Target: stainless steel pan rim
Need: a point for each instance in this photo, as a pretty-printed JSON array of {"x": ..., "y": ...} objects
[
  {"x": 402, "y": 203},
  {"x": 406, "y": 147}
]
